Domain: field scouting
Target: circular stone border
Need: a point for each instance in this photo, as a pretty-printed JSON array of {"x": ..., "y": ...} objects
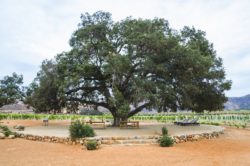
[{"x": 121, "y": 140}]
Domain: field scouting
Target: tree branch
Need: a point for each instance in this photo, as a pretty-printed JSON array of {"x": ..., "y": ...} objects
[
  {"x": 130, "y": 74},
  {"x": 89, "y": 89},
  {"x": 138, "y": 109},
  {"x": 103, "y": 104}
]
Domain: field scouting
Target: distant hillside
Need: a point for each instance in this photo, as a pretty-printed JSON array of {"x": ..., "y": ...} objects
[
  {"x": 238, "y": 103},
  {"x": 16, "y": 108}
]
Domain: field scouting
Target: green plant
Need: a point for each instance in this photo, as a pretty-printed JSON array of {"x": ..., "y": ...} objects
[
  {"x": 5, "y": 130},
  {"x": 88, "y": 131},
  {"x": 164, "y": 131},
  {"x": 244, "y": 125},
  {"x": 91, "y": 145},
  {"x": 166, "y": 141},
  {"x": 215, "y": 123},
  {"x": 79, "y": 130},
  {"x": 237, "y": 126}
]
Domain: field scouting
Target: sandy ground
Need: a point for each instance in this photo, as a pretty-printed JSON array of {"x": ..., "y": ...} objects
[
  {"x": 60, "y": 129},
  {"x": 232, "y": 148}
]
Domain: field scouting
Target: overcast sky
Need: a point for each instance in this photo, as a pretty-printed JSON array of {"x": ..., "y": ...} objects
[{"x": 33, "y": 30}]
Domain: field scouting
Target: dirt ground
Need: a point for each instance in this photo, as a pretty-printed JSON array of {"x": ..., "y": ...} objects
[{"x": 232, "y": 148}]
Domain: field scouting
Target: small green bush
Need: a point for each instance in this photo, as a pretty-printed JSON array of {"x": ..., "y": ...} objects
[
  {"x": 88, "y": 131},
  {"x": 237, "y": 126},
  {"x": 244, "y": 125},
  {"x": 79, "y": 130},
  {"x": 166, "y": 141},
  {"x": 91, "y": 145},
  {"x": 164, "y": 131},
  {"x": 215, "y": 123},
  {"x": 5, "y": 130}
]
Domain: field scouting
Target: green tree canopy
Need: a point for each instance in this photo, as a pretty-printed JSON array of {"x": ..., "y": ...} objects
[
  {"x": 10, "y": 89},
  {"x": 133, "y": 64},
  {"x": 43, "y": 92}
]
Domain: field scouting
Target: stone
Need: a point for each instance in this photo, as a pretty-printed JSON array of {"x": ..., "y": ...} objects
[
  {"x": 106, "y": 138},
  {"x": 122, "y": 138},
  {"x": 11, "y": 136},
  {"x": 81, "y": 142},
  {"x": 99, "y": 143},
  {"x": 183, "y": 138},
  {"x": 2, "y": 136},
  {"x": 189, "y": 139},
  {"x": 196, "y": 138},
  {"x": 91, "y": 138},
  {"x": 108, "y": 142},
  {"x": 114, "y": 138},
  {"x": 177, "y": 140}
]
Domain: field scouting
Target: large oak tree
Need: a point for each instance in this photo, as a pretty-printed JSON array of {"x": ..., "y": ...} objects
[{"x": 137, "y": 64}]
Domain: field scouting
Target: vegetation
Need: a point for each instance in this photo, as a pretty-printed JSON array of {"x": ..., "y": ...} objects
[
  {"x": 166, "y": 141},
  {"x": 43, "y": 92},
  {"x": 164, "y": 131},
  {"x": 230, "y": 118},
  {"x": 128, "y": 66},
  {"x": 79, "y": 130},
  {"x": 140, "y": 63},
  {"x": 10, "y": 89},
  {"x": 5, "y": 130},
  {"x": 91, "y": 145}
]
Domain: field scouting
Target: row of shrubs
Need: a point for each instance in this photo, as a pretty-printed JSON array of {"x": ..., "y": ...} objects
[
  {"x": 51, "y": 116},
  {"x": 232, "y": 124},
  {"x": 241, "y": 119}
]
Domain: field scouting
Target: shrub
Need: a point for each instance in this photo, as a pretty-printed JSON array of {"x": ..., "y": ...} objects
[
  {"x": 164, "y": 131},
  {"x": 236, "y": 125},
  {"x": 5, "y": 130},
  {"x": 215, "y": 123},
  {"x": 78, "y": 130},
  {"x": 244, "y": 125},
  {"x": 166, "y": 141},
  {"x": 88, "y": 131},
  {"x": 91, "y": 145}
]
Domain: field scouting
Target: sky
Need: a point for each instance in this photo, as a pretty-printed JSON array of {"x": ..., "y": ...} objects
[{"x": 34, "y": 30}]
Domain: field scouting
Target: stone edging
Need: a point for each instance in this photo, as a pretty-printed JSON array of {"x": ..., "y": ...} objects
[{"x": 120, "y": 140}]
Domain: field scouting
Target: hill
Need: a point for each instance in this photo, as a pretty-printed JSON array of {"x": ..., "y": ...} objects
[
  {"x": 16, "y": 108},
  {"x": 235, "y": 103}
]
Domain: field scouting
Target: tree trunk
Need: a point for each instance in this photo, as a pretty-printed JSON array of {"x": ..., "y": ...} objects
[{"x": 116, "y": 120}]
